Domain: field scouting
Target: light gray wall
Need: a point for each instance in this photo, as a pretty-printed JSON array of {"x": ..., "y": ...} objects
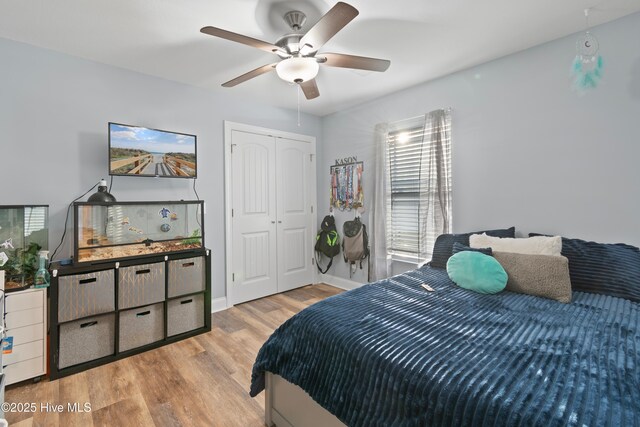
[
  {"x": 54, "y": 110},
  {"x": 527, "y": 150}
]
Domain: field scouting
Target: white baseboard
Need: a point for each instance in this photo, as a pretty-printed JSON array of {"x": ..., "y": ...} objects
[
  {"x": 339, "y": 282},
  {"x": 218, "y": 304}
]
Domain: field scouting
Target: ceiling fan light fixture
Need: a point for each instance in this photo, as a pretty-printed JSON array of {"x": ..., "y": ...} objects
[
  {"x": 297, "y": 69},
  {"x": 297, "y": 50}
]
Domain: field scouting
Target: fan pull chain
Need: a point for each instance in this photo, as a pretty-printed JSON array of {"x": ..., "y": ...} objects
[{"x": 298, "y": 105}]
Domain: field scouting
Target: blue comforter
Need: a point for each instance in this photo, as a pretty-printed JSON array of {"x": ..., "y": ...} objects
[{"x": 390, "y": 353}]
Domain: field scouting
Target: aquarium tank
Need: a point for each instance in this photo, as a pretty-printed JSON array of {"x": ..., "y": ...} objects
[
  {"x": 24, "y": 232},
  {"x": 118, "y": 230}
]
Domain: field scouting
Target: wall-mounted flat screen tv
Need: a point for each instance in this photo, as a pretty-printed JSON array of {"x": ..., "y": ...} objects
[{"x": 140, "y": 151}]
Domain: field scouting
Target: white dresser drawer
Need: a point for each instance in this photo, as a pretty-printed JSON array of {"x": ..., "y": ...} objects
[
  {"x": 26, "y": 334},
  {"x": 24, "y": 370},
  {"x": 25, "y": 320},
  {"x": 18, "y": 319},
  {"x": 24, "y": 300},
  {"x": 24, "y": 352}
]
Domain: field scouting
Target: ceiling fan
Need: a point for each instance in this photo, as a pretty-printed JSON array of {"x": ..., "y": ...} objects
[{"x": 298, "y": 52}]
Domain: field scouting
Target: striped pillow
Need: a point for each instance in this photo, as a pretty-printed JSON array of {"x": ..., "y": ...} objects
[
  {"x": 459, "y": 247},
  {"x": 443, "y": 248},
  {"x": 603, "y": 268}
]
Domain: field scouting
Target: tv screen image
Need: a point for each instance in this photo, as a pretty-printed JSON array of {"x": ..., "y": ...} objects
[{"x": 140, "y": 151}]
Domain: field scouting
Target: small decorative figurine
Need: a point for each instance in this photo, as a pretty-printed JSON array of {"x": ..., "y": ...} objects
[
  {"x": 3, "y": 259},
  {"x": 173, "y": 216},
  {"x": 125, "y": 220},
  {"x": 165, "y": 227},
  {"x": 164, "y": 212},
  {"x": 8, "y": 244}
]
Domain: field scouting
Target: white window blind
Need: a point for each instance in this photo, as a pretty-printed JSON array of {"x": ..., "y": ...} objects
[{"x": 419, "y": 155}]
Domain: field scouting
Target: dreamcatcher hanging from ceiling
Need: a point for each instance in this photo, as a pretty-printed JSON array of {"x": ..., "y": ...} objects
[{"x": 587, "y": 66}]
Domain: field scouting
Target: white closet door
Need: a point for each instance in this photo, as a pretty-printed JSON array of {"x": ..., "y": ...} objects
[
  {"x": 296, "y": 170},
  {"x": 253, "y": 171}
]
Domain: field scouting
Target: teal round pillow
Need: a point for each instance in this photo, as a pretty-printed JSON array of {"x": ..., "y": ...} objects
[{"x": 477, "y": 272}]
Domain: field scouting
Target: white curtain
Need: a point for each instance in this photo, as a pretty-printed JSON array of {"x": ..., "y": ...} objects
[
  {"x": 434, "y": 205},
  {"x": 380, "y": 265},
  {"x": 435, "y": 181}
]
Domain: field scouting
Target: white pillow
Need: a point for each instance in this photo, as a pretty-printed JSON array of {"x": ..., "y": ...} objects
[{"x": 537, "y": 245}]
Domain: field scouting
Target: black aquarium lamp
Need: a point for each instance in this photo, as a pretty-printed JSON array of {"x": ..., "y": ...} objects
[{"x": 102, "y": 195}]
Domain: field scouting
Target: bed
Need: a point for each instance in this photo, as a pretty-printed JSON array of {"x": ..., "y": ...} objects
[{"x": 391, "y": 353}]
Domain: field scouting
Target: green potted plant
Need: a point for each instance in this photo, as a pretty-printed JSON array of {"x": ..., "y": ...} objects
[{"x": 21, "y": 267}]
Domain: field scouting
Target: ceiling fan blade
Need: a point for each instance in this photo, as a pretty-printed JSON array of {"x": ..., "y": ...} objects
[
  {"x": 352, "y": 61},
  {"x": 251, "y": 74},
  {"x": 310, "y": 89},
  {"x": 239, "y": 38},
  {"x": 332, "y": 22}
]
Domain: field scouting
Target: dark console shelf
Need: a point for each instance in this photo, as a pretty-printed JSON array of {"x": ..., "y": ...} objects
[{"x": 108, "y": 311}]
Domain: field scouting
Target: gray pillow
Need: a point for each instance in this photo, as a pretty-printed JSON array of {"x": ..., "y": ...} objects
[{"x": 545, "y": 276}]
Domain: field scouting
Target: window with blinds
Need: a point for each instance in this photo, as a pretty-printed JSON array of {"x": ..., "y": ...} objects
[{"x": 410, "y": 160}]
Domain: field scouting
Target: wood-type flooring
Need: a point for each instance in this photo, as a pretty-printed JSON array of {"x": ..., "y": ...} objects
[{"x": 200, "y": 381}]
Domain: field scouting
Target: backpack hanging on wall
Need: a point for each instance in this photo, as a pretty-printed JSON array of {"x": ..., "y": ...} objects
[
  {"x": 327, "y": 242},
  {"x": 355, "y": 244}
]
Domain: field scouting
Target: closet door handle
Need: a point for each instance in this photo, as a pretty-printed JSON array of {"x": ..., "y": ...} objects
[
  {"x": 186, "y": 301},
  {"x": 273, "y": 222},
  {"x": 143, "y": 271},
  {"x": 188, "y": 264},
  {"x": 144, "y": 313},
  {"x": 84, "y": 281},
  {"x": 279, "y": 222}
]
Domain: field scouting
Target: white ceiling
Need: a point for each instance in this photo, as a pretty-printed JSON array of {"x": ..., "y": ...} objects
[{"x": 424, "y": 39}]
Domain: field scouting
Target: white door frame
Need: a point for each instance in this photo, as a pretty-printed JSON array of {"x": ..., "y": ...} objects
[{"x": 228, "y": 128}]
